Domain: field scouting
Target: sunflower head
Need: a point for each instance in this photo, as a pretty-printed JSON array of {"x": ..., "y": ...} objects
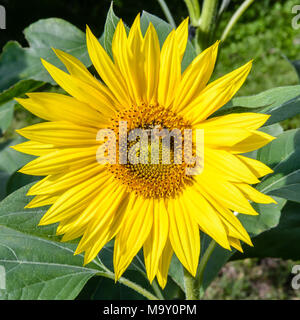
[
  {"x": 155, "y": 206},
  {"x": 162, "y": 178}
]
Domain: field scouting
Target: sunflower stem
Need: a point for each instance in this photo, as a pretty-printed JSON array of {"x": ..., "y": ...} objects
[
  {"x": 129, "y": 284},
  {"x": 202, "y": 265},
  {"x": 194, "y": 11},
  {"x": 190, "y": 293},
  {"x": 206, "y": 24},
  {"x": 157, "y": 290},
  {"x": 167, "y": 13},
  {"x": 233, "y": 20}
]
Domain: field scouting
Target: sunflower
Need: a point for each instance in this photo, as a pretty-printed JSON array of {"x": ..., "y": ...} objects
[{"x": 154, "y": 207}]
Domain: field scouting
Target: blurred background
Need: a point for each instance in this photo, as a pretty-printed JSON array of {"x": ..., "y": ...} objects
[{"x": 264, "y": 33}]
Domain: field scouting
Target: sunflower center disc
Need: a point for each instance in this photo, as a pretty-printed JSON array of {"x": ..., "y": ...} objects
[{"x": 151, "y": 180}]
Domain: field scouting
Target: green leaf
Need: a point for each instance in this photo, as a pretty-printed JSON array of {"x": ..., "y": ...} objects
[
  {"x": 10, "y": 183},
  {"x": 14, "y": 216},
  {"x": 274, "y": 129},
  {"x": 162, "y": 27},
  {"x": 109, "y": 29},
  {"x": 176, "y": 272},
  {"x": 281, "y": 103},
  {"x": 269, "y": 215},
  {"x": 288, "y": 187},
  {"x": 7, "y": 104},
  {"x": 296, "y": 65},
  {"x": 12, "y": 62},
  {"x": 19, "y": 89},
  {"x": 279, "y": 242},
  {"x": 18, "y": 180},
  {"x": 282, "y": 155},
  {"x": 4, "y": 176},
  {"x": 268, "y": 99},
  {"x": 286, "y": 110},
  {"x": 6, "y": 115},
  {"x": 17, "y": 63},
  {"x": 280, "y": 149},
  {"x": 37, "y": 268},
  {"x": 11, "y": 160}
]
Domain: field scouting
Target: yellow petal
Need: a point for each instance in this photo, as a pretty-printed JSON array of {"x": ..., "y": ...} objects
[
  {"x": 75, "y": 200},
  {"x": 226, "y": 192},
  {"x": 218, "y": 137},
  {"x": 106, "y": 69},
  {"x": 99, "y": 209},
  {"x": 133, "y": 234},
  {"x": 233, "y": 226},
  {"x": 206, "y": 216},
  {"x": 58, "y": 161},
  {"x": 228, "y": 166},
  {"x": 184, "y": 235},
  {"x": 121, "y": 58},
  {"x": 65, "y": 180},
  {"x": 129, "y": 58},
  {"x": 181, "y": 34},
  {"x": 59, "y": 107},
  {"x": 157, "y": 238},
  {"x": 253, "y": 194},
  {"x": 245, "y": 120},
  {"x": 78, "y": 69},
  {"x": 81, "y": 90},
  {"x": 257, "y": 167},
  {"x": 170, "y": 71},
  {"x": 235, "y": 243},
  {"x": 42, "y": 200},
  {"x": 256, "y": 140},
  {"x": 60, "y": 133},
  {"x": 34, "y": 148},
  {"x": 152, "y": 63},
  {"x": 104, "y": 226},
  {"x": 216, "y": 94},
  {"x": 136, "y": 61},
  {"x": 103, "y": 212},
  {"x": 164, "y": 264},
  {"x": 195, "y": 77}
]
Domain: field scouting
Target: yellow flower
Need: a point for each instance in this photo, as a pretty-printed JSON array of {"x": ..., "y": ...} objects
[{"x": 157, "y": 207}]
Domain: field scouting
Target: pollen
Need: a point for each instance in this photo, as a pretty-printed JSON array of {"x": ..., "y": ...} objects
[{"x": 148, "y": 179}]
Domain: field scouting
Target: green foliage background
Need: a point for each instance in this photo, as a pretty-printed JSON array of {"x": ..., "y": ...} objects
[{"x": 264, "y": 33}]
